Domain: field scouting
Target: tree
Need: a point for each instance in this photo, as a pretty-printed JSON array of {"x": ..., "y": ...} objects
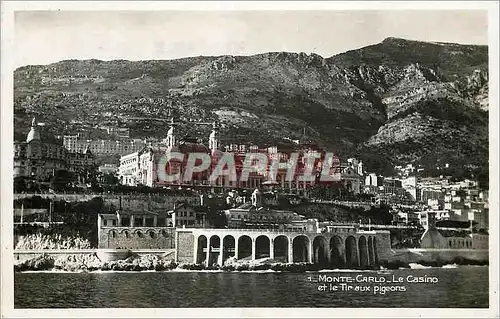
[
  {"x": 109, "y": 179},
  {"x": 20, "y": 184},
  {"x": 61, "y": 180},
  {"x": 483, "y": 178}
]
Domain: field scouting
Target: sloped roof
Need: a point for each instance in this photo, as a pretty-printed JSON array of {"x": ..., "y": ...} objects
[{"x": 189, "y": 145}]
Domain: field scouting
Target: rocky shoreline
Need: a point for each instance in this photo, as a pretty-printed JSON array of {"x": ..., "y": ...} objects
[{"x": 90, "y": 262}]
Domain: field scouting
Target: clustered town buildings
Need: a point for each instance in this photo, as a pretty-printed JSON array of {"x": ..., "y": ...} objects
[{"x": 408, "y": 195}]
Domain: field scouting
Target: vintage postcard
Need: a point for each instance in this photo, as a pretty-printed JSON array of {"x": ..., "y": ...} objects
[{"x": 254, "y": 159}]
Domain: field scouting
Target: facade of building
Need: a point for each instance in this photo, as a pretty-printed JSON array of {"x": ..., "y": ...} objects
[
  {"x": 255, "y": 214},
  {"x": 108, "y": 169},
  {"x": 136, "y": 230},
  {"x": 128, "y": 169},
  {"x": 373, "y": 179},
  {"x": 81, "y": 163},
  {"x": 432, "y": 237},
  {"x": 351, "y": 179},
  {"x": 188, "y": 216},
  {"x": 120, "y": 132},
  {"x": 73, "y": 143},
  {"x": 410, "y": 185},
  {"x": 40, "y": 160}
]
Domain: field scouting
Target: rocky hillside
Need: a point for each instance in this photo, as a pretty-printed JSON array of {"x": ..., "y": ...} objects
[{"x": 396, "y": 101}]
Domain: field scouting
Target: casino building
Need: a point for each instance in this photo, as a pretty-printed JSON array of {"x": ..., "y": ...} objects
[{"x": 142, "y": 167}]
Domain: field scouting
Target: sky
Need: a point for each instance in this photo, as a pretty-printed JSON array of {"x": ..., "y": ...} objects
[{"x": 43, "y": 37}]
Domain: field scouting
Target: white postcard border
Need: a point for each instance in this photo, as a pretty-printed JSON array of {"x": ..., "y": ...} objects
[{"x": 7, "y": 284}]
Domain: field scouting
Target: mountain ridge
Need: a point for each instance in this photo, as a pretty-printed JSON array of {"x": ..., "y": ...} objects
[{"x": 385, "y": 40}]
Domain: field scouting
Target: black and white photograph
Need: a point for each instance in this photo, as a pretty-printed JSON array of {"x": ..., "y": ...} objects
[{"x": 249, "y": 159}]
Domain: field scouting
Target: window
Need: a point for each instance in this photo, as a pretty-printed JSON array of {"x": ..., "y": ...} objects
[
  {"x": 127, "y": 234},
  {"x": 190, "y": 214},
  {"x": 160, "y": 221},
  {"x": 149, "y": 222},
  {"x": 152, "y": 234},
  {"x": 140, "y": 234},
  {"x": 105, "y": 222},
  {"x": 126, "y": 221},
  {"x": 114, "y": 222}
]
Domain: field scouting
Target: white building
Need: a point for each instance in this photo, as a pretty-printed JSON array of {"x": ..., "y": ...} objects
[{"x": 129, "y": 167}]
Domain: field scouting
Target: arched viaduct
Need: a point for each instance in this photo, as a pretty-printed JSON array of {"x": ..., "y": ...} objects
[{"x": 340, "y": 249}]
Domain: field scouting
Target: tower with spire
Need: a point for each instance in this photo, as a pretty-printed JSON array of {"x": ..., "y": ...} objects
[
  {"x": 170, "y": 140},
  {"x": 213, "y": 142}
]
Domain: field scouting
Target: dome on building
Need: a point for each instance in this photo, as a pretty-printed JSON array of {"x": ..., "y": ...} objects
[{"x": 33, "y": 133}]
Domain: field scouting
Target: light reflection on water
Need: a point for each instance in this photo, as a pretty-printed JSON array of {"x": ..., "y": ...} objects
[{"x": 465, "y": 287}]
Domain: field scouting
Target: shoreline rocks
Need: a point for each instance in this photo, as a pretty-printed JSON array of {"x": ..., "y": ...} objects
[
  {"x": 90, "y": 262},
  {"x": 460, "y": 261}
]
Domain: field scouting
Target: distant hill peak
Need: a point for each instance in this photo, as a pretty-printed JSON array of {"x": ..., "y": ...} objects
[{"x": 397, "y": 40}]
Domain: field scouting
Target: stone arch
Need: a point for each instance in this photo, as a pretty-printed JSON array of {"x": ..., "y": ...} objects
[
  {"x": 321, "y": 254},
  {"x": 125, "y": 233},
  {"x": 139, "y": 233},
  {"x": 375, "y": 250},
  {"x": 201, "y": 254},
  {"x": 371, "y": 253},
  {"x": 364, "y": 258},
  {"x": 351, "y": 251},
  {"x": 228, "y": 244},
  {"x": 281, "y": 247},
  {"x": 164, "y": 233},
  {"x": 112, "y": 233},
  {"x": 244, "y": 247},
  {"x": 262, "y": 247},
  {"x": 152, "y": 234},
  {"x": 215, "y": 245},
  {"x": 337, "y": 252},
  {"x": 300, "y": 247}
]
